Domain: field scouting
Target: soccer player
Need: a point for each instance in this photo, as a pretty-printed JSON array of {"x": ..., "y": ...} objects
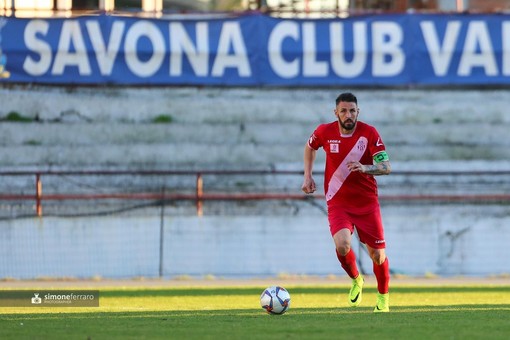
[{"x": 355, "y": 153}]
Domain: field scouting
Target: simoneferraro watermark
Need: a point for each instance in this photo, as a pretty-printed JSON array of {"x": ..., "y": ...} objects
[{"x": 49, "y": 298}]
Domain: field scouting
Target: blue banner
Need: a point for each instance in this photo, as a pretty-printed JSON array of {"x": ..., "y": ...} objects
[{"x": 255, "y": 50}]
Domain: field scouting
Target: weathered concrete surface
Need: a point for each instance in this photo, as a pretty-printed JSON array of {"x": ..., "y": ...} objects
[{"x": 97, "y": 127}]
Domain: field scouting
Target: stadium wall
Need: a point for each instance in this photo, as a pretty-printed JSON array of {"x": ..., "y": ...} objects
[{"x": 441, "y": 240}]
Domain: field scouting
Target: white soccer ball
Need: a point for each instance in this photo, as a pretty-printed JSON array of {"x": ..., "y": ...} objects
[{"x": 275, "y": 300}]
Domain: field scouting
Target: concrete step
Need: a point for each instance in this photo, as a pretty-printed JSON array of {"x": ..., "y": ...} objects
[
  {"x": 213, "y": 156},
  {"x": 394, "y": 135},
  {"x": 101, "y": 127},
  {"x": 224, "y": 105}
]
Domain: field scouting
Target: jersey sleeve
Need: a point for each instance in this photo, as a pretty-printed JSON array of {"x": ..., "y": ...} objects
[
  {"x": 315, "y": 140},
  {"x": 377, "y": 148}
]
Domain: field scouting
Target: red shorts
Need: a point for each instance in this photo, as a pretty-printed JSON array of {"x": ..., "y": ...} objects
[{"x": 369, "y": 226}]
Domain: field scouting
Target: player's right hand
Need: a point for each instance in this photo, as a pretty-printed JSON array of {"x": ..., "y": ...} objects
[{"x": 308, "y": 186}]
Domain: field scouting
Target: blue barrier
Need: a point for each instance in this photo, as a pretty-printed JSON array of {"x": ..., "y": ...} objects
[{"x": 255, "y": 50}]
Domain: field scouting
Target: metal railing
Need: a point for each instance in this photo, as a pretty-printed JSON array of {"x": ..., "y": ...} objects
[{"x": 199, "y": 194}]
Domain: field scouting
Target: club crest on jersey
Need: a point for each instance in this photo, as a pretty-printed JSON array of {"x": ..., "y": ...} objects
[
  {"x": 334, "y": 148},
  {"x": 361, "y": 144}
]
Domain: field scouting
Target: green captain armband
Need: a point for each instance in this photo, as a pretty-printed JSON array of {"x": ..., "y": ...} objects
[{"x": 381, "y": 156}]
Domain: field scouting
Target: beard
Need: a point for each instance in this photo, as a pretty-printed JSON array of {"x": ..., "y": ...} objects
[{"x": 349, "y": 124}]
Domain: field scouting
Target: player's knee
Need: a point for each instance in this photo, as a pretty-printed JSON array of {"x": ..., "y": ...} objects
[
  {"x": 343, "y": 248},
  {"x": 343, "y": 241},
  {"x": 379, "y": 257}
]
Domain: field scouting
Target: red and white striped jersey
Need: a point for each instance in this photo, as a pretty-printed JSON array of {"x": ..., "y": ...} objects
[{"x": 355, "y": 191}]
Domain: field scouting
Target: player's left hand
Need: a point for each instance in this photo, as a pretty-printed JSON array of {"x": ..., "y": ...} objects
[{"x": 355, "y": 166}]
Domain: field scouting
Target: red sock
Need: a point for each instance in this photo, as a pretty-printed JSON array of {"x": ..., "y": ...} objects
[
  {"x": 382, "y": 274},
  {"x": 349, "y": 263}
]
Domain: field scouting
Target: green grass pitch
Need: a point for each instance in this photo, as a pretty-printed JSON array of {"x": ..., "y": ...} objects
[{"x": 316, "y": 312}]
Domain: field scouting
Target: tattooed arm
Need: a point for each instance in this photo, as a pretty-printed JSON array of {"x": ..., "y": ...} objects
[{"x": 381, "y": 168}]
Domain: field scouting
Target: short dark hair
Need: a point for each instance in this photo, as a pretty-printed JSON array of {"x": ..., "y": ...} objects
[{"x": 347, "y": 97}]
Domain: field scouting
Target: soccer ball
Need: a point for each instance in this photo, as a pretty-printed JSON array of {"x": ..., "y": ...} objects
[{"x": 275, "y": 300}]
